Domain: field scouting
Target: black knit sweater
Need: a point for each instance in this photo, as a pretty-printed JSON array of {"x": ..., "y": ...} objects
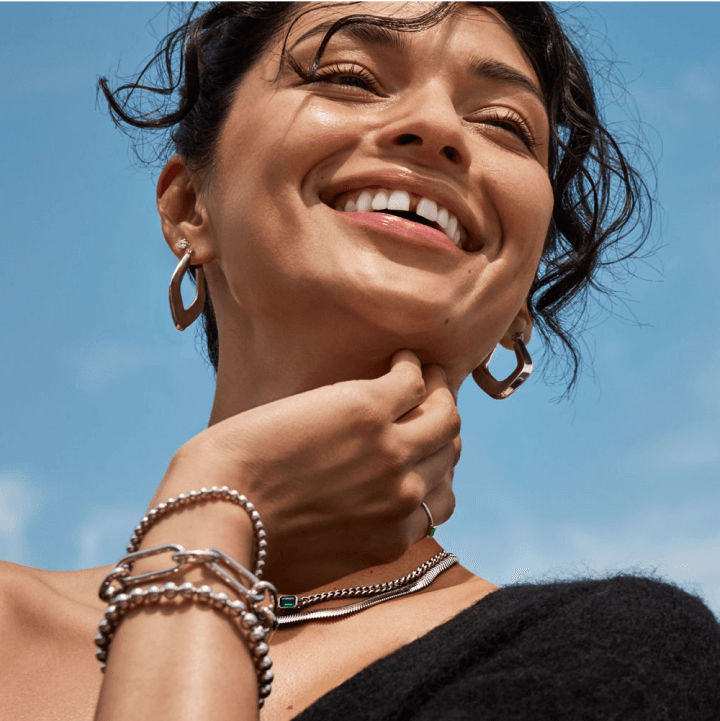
[{"x": 627, "y": 648}]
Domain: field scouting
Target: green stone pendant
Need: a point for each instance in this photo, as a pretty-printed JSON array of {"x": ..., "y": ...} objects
[
  {"x": 287, "y": 602},
  {"x": 432, "y": 532}
]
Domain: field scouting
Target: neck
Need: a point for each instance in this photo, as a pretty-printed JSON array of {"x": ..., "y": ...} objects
[{"x": 254, "y": 371}]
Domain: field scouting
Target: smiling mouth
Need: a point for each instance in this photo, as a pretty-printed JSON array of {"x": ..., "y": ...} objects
[{"x": 411, "y": 207}]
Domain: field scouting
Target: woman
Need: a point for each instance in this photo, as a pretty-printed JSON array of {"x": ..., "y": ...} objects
[{"x": 370, "y": 205}]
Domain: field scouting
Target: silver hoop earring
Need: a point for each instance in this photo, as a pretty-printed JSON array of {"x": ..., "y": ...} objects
[
  {"x": 183, "y": 317},
  {"x": 502, "y": 389}
]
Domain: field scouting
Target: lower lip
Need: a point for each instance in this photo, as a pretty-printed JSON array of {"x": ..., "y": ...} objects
[{"x": 402, "y": 229}]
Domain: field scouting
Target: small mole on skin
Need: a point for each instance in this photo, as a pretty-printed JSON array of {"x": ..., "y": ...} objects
[{"x": 447, "y": 320}]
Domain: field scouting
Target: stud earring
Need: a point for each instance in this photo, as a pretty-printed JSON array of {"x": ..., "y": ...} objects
[
  {"x": 502, "y": 389},
  {"x": 183, "y": 317}
]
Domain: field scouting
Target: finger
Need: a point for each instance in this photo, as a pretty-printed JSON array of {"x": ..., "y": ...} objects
[
  {"x": 403, "y": 387},
  {"x": 435, "y": 422}
]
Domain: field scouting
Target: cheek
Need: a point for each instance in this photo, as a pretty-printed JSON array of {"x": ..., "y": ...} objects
[{"x": 524, "y": 201}]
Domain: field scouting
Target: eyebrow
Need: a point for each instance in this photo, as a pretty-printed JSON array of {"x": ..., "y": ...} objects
[
  {"x": 370, "y": 34},
  {"x": 487, "y": 68},
  {"x": 482, "y": 68}
]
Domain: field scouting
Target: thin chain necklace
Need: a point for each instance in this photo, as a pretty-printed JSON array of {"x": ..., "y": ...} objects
[{"x": 427, "y": 573}]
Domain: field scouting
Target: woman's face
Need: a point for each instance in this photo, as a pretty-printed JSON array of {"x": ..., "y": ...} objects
[{"x": 444, "y": 115}]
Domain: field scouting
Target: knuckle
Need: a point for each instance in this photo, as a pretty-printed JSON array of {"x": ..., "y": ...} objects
[
  {"x": 416, "y": 384},
  {"x": 409, "y": 497},
  {"x": 368, "y": 412},
  {"x": 455, "y": 422}
]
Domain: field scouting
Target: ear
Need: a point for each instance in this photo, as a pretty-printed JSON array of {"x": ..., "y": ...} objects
[
  {"x": 182, "y": 214},
  {"x": 522, "y": 324}
]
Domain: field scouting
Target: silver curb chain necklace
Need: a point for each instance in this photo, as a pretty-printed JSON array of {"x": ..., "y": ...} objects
[{"x": 427, "y": 573}]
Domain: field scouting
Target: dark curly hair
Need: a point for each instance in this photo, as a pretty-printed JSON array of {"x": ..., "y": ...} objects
[{"x": 600, "y": 199}]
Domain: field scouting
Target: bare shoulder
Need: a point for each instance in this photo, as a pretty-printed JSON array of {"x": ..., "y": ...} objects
[{"x": 47, "y": 625}]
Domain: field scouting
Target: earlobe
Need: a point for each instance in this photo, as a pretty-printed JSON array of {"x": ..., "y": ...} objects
[
  {"x": 522, "y": 324},
  {"x": 181, "y": 214}
]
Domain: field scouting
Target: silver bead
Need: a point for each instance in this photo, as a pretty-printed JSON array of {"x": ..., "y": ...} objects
[
  {"x": 187, "y": 590},
  {"x": 144, "y": 523},
  {"x": 261, "y": 554},
  {"x": 234, "y": 495},
  {"x": 220, "y": 600},
  {"x": 249, "y": 507},
  {"x": 122, "y": 600},
  {"x": 258, "y": 633},
  {"x": 102, "y": 667},
  {"x": 264, "y": 691},
  {"x": 170, "y": 590},
  {"x": 192, "y": 495},
  {"x": 170, "y": 502},
  {"x": 267, "y": 676},
  {"x": 254, "y": 516},
  {"x": 225, "y": 490},
  {"x": 260, "y": 565},
  {"x": 262, "y": 543},
  {"x": 152, "y": 515},
  {"x": 153, "y": 593},
  {"x": 243, "y": 500},
  {"x": 105, "y": 626},
  {"x": 261, "y": 649},
  {"x": 138, "y": 530},
  {"x": 136, "y": 596},
  {"x": 161, "y": 507},
  {"x": 101, "y": 654},
  {"x": 248, "y": 620},
  {"x": 112, "y": 613},
  {"x": 101, "y": 639},
  {"x": 204, "y": 593},
  {"x": 215, "y": 491},
  {"x": 236, "y": 608},
  {"x": 264, "y": 663},
  {"x": 204, "y": 491},
  {"x": 260, "y": 530}
]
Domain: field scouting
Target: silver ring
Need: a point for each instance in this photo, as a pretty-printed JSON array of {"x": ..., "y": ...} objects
[{"x": 433, "y": 527}]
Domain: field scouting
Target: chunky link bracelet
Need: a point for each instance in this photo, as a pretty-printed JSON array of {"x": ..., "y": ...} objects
[
  {"x": 205, "y": 494},
  {"x": 256, "y": 636},
  {"x": 209, "y": 558}
]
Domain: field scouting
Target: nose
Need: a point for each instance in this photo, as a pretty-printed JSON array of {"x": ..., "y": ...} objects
[{"x": 426, "y": 129}]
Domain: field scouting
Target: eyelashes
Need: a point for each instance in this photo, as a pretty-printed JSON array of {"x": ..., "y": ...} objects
[
  {"x": 345, "y": 71},
  {"x": 518, "y": 125},
  {"x": 506, "y": 120}
]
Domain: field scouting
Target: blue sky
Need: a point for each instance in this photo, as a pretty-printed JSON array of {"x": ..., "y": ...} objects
[{"x": 100, "y": 389}]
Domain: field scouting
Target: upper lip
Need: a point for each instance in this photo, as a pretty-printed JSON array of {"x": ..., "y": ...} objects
[{"x": 436, "y": 189}]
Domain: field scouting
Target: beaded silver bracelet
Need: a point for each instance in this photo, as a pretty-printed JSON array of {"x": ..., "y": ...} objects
[
  {"x": 205, "y": 494},
  {"x": 209, "y": 557},
  {"x": 257, "y": 635}
]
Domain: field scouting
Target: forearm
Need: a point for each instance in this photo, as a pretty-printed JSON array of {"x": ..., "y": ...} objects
[{"x": 192, "y": 661}]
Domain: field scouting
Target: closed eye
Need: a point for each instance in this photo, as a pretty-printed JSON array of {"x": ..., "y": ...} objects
[{"x": 348, "y": 75}]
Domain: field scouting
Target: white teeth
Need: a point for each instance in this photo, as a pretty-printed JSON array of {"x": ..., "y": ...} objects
[
  {"x": 380, "y": 200},
  {"x": 364, "y": 201},
  {"x": 399, "y": 200},
  {"x": 427, "y": 209},
  {"x": 443, "y": 218},
  {"x": 386, "y": 199}
]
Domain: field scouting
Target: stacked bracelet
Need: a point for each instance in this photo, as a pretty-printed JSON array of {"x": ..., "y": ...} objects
[{"x": 260, "y": 622}]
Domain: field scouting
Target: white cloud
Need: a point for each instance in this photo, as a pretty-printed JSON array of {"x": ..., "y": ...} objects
[
  {"x": 679, "y": 543},
  {"x": 98, "y": 364},
  {"x": 20, "y": 501},
  {"x": 104, "y": 535}
]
